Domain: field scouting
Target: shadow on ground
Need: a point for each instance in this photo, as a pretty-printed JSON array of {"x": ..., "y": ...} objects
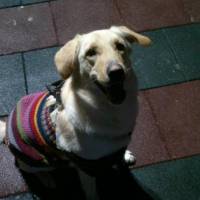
[{"x": 72, "y": 183}]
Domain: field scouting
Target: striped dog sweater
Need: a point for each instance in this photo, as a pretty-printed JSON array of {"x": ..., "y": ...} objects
[
  {"x": 30, "y": 131},
  {"x": 32, "y": 139}
]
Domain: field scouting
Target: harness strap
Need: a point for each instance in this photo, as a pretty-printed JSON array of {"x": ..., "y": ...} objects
[{"x": 54, "y": 89}]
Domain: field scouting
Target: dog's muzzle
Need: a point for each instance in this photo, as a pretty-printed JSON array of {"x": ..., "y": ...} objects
[{"x": 114, "y": 88}]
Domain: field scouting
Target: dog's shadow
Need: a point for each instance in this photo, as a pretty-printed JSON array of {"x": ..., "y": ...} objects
[{"x": 73, "y": 183}]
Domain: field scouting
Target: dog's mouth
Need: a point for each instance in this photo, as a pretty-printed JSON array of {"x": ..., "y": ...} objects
[{"x": 114, "y": 92}]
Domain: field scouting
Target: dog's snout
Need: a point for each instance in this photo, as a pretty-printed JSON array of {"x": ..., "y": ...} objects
[{"x": 115, "y": 73}]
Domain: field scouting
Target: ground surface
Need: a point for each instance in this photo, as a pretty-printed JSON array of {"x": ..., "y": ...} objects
[{"x": 166, "y": 139}]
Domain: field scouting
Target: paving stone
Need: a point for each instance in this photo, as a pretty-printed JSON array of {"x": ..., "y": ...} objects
[
  {"x": 11, "y": 180},
  {"x": 185, "y": 42},
  {"x": 7, "y": 3},
  {"x": 174, "y": 180},
  {"x": 146, "y": 143},
  {"x": 192, "y": 7},
  {"x": 24, "y": 196},
  {"x": 32, "y": 1},
  {"x": 156, "y": 65},
  {"x": 79, "y": 16},
  {"x": 177, "y": 111},
  {"x": 12, "y": 82},
  {"x": 27, "y": 27},
  {"x": 40, "y": 69},
  {"x": 145, "y": 15}
]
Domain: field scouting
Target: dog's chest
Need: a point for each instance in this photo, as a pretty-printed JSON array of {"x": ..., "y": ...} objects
[
  {"x": 100, "y": 131},
  {"x": 97, "y": 128},
  {"x": 103, "y": 120}
]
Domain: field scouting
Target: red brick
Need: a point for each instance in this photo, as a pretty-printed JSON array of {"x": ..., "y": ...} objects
[
  {"x": 25, "y": 28},
  {"x": 145, "y": 15},
  {"x": 79, "y": 16},
  {"x": 177, "y": 110},
  {"x": 11, "y": 180},
  {"x": 146, "y": 143},
  {"x": 192, "y": 7}
]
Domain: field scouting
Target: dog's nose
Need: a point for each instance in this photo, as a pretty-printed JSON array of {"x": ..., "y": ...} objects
[{"x": 115, "y": 73}]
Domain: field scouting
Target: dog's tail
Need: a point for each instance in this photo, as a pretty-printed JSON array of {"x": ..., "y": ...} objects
[{"x": 2, "y": 130}]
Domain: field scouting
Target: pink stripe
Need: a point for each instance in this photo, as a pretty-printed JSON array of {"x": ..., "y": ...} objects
[{"x": 26, "y": 149}]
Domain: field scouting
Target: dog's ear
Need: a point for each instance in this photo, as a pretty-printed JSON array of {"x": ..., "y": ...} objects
[
  {"x": 131, "y": 36},
  {"x": 66, "y": 58}
]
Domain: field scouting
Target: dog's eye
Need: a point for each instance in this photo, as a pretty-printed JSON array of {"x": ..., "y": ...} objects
[
  {"x": 120, "y": 46},
  {"x": 91, "y": 52}
]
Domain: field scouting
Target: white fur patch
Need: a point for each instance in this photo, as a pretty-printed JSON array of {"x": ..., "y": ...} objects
[
  {"x": 129, "y": 157},
  {"x": 2, "y": 131},
  {"x": 69, "y": 144},
  {"x": 50, "y": 101}
]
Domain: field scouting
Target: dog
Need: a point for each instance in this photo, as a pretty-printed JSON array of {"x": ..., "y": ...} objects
[{"x": 96, "y": 113}]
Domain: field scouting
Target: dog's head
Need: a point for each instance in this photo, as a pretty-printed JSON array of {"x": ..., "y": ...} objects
[{"x": 102, "y": 58}]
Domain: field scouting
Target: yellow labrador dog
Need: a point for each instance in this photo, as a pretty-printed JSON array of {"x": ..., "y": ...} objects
[{"x": 99, "y": 94}]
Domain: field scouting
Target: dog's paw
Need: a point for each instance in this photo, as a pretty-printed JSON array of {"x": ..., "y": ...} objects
[
  {"x": 129, "y": 158},
  {"x": 51, "y": 100}
]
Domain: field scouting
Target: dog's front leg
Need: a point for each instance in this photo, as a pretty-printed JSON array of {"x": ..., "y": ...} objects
[{"x": 66, "y": 138}]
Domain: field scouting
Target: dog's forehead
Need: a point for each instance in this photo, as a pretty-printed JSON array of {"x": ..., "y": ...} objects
[
  {"x": 99, "y": 37},
  {"x": 101, "y": 33}
]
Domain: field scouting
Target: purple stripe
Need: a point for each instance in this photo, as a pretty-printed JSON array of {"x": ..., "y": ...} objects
[
  {"x": 26, "y": 106},
  {"x": 10, "y": 132},
  {"x": 26, "y": 149}
]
